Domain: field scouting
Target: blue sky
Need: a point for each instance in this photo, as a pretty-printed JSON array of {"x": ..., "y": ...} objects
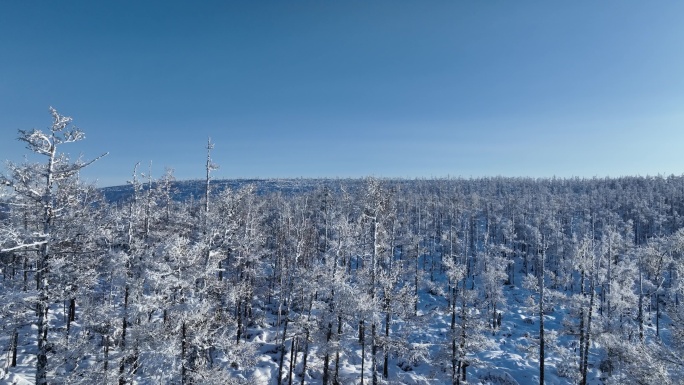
[{"x": 351, "y": 88}]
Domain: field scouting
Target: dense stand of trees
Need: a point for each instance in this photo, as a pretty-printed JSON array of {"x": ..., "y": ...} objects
[{"x": 166, "y": 291}]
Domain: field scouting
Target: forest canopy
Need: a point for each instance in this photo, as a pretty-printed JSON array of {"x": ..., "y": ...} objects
[{"x": 333, "y": 281}]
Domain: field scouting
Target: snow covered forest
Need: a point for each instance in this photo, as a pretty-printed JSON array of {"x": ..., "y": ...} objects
[{"x": 497, "y": 281}]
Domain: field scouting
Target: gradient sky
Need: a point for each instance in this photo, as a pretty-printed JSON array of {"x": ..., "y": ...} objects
[{"x": 351, "y": 88}]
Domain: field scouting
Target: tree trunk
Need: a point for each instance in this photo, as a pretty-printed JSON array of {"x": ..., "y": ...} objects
[
  {"x": 388, "y": 320},
  {"x": 541, "y": 319},
  {"x": 41, "y": 359},
  {"x": 374, "y": 352},
  {"x": 657, "y": 314},
  {"x": 72, "y": 310},
  {"x": 183, "y": 354},
  {"x": 238, "y": 313},
  {"x": 282, "y": 352},
  {"x": 15, "y": 344},
  {"x": 640, "y": 316},
  {"x": 326, "y": 359},
  {"x": 43, "y": 268},
  {"x": 122, "y": 345},
  {"x": 362, "y": 340},
  {"x": 306, "y": 354},
  {"x": 462, "y": 343},
  {"x": 293, "y": 358},
  {"x": 581, "y": 325},
  {"x": 585, "y": 355},
  {"x": 415, "y": 282},
  {"x": 336, "y": 378},
  {"x": 105, "y": 348},
  {"x": 454, "y": 351}
]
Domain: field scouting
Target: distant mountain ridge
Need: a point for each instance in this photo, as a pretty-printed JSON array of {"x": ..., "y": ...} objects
[{"x": 193, "y": 189}]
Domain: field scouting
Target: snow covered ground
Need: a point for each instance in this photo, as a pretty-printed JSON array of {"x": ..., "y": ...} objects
[{"x": 508, "y": 359}]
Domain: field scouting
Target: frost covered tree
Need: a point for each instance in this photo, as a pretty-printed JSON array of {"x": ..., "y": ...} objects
[{"x": 54, "y": 187}]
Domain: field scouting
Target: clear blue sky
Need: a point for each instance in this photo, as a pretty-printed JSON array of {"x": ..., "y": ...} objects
[{"x": 351, "y": 88}]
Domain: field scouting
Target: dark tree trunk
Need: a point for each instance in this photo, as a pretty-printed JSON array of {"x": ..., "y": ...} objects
[
  {"x": 541, "y": 320},
  {"x": 658, "y": 315},
  {"x": 293, "y": 358},
  {"x": 415, "y": 283},
  {"x": 388, "y": 320},
  {"x": 585, "y": 355},
  {"x": 454, "y": 355},
  {"x": 454, "y": 358},
  {"x": 72, "y": 310},
  {"x": 362, "y": 340},
  {"x": 183, "y": 354},
  {"x": 15, "y": 344},
  {"x": 337, "y": 353},
  {"x": 238, "y": 312},
  {"x": 326, "y": 359},
  {"x": 306, "y": 354},
  {"x": 41, "y": 359},
  {"x": 26, "y": 273},
  {"x": 581, "y": 326},
  {"x": 464, "y": 365},
  {"x": 282, "y": 352},
  {"x": 374, "y": 353},
  {"x": 105, "y": 348},
  {"x": 122, "y": 345}
]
